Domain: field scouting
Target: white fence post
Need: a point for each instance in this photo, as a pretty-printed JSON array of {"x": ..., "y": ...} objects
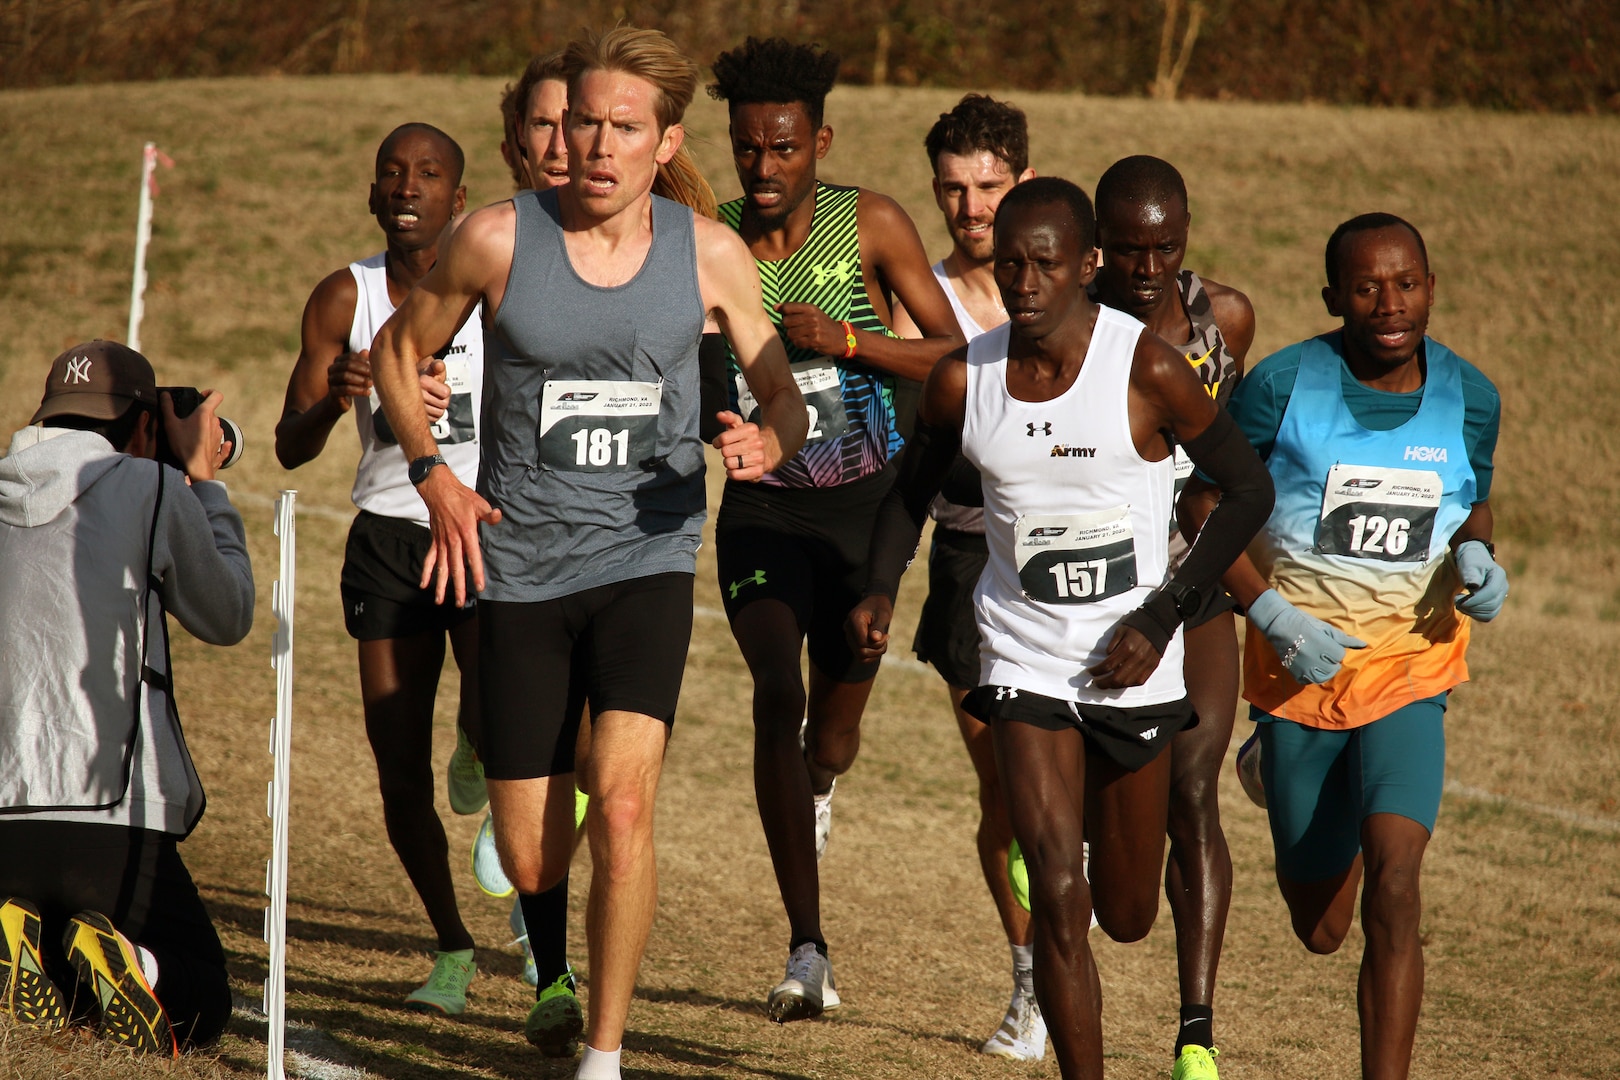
[{"x": 282, "y": 596}]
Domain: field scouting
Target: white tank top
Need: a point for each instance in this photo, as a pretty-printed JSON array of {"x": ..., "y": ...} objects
[
  {"x": 967, "y": 519},
  {"x": 1076, "y": 522},
  {"x": 380, "y": 482}
]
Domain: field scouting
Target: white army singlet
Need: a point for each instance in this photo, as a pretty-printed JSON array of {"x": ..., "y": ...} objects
[
  {"x": 380, "y": 482},
  {"x": 1076, "y": 522}
]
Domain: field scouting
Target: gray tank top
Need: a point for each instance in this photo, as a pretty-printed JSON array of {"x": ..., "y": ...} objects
[{"x": 590, "y": 414}]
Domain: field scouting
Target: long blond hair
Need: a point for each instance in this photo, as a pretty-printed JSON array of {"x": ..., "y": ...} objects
[{"x": 652, "y": 56}]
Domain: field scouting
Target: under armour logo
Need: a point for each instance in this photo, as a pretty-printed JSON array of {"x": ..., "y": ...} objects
[
  {"x": 756, "y": 578},
  {"x": 841, "y": 271},
  {"x": 78, "y": 370},
  {"x": 360, "y": 608},
  {"x": 1004, "y": 692},
  {"x": 1046, "y": 429}
]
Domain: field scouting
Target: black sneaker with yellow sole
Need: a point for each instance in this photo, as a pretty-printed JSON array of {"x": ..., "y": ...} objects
[{"x": 26, "y": 992}]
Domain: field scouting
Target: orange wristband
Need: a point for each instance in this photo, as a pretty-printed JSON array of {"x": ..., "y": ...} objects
[{"x": 849, "y": 340}]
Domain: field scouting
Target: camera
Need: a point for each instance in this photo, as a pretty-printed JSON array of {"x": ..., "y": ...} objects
[{"x": 186, "y": 399}]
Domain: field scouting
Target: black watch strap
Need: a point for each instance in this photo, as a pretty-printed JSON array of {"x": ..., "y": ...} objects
[{"x": 420, "y": 468}]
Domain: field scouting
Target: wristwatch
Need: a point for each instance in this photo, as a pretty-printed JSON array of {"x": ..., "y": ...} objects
[
  {"x": 1187, "y": 600},
  {"x": 420, "y": 468}
]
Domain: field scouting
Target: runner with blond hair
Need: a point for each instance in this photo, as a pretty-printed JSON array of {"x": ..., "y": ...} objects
[{"x": 586, "y": 522}]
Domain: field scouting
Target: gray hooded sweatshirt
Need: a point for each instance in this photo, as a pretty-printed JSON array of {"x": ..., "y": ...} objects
[{"x": 88, "y": 732}]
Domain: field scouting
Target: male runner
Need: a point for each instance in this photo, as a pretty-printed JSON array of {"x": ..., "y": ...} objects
[
  {"x": 978, "y": 150},
  {"x": 1068, "y": 413},
  {"x": 1380, "y": 440},
  {"x": 590, "y": 493},
  {"x": 1142, "y": 224},
  {"x": 791, "y": 550},
  {"x": 400, "y": 626}
]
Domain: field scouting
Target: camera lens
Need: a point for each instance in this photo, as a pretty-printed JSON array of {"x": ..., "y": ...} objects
[{"x": 233, "y": 435}]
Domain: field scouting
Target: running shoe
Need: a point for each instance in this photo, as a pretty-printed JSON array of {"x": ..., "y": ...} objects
[
  {"x": 446, "y": 988},
  {"x": 26, "y": 992},
  {"x": 823, "y": 807},
  {"x": 1022, "y": 1034},
  {"x": 556, "y": 1019},
  {"x": 1018, "y": 874},
  {"x": 1248, "y": 770},
  {"x": 807, "y": 991},
  {"x": 466, "y": 776},
  {"x": 486, "y": 862},
  {"x": 520, "y": 929},
  {"x": 1196, "y": 1063},
  {"x": 108, "y": 964}
]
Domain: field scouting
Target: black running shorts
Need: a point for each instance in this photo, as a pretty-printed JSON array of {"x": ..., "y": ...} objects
[
  {"x": 805, "y": 547},
  {"x": 382, "y": 563},
  {"x": 947, "y": 635},
  {"x": 1131, "y": 737},
  {"x": 622, "y": 647}
]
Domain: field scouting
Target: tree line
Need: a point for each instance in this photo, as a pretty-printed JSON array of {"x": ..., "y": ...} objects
[{"x": 1507, "y": 54}]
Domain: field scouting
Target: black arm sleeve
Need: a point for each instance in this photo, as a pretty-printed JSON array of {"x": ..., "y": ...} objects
[
  {"x": 1223, "y": 454},
  {"x": 922, "y": 468},
  {"x": 713, "y": 396}
]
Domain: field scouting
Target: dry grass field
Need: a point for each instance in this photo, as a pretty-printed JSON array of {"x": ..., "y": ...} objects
[{"x": 1522, "y": 921}]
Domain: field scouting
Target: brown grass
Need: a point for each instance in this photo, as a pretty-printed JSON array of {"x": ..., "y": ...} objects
[{"x": 1523, "y": 909}]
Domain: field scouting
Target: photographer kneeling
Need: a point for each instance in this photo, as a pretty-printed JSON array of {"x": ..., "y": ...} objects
[{"x": 97, "y": 788}]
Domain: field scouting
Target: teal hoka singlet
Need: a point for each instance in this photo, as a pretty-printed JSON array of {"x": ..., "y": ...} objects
[{"x": 852, "y": 422}]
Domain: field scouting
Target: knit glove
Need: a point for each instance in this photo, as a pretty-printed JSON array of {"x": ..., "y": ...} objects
[{"x": 1309, "y": 648}]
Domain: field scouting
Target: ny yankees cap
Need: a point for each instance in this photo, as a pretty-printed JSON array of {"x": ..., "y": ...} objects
[{"x": 99, "y": 380}]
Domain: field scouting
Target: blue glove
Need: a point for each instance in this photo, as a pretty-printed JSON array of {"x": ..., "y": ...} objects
[
  {"x": 1486, "y": 582},
  {"x": 1310, "y": 649}
]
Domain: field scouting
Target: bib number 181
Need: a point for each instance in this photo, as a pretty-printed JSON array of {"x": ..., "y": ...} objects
[{"x": 601, "y": 446}]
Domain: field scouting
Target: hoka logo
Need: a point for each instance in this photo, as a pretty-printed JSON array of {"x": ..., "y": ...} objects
[
  {"x": 756, "y": 578},
  {"x": 1074, "y": 451},
  {"x": 1425, "y": 453},
  {"x": 841, "y": 272}
]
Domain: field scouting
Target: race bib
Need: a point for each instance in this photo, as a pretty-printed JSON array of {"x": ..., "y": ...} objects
[
  {"x": 823, "y": 399},
  {"x": 1075, "y": 558},
  {"x": 1386, "y": 515},
  {"x": 457, "y": 423},
  {"x": 591, "y": 426},
  {"x": 1184, "y": 471}
]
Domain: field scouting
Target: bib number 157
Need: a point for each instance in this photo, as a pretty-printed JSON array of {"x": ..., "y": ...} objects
[{"x": 1079, "y": 580}]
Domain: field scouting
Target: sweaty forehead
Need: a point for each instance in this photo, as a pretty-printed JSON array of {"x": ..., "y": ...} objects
[
  {"x": 1150, "y": 211},
  {"x": 617, "y": 95},
  {"x": 776, "y": 119},
  {"x": 1037, "y": 227},
  {"x": 976, "y": 167}
]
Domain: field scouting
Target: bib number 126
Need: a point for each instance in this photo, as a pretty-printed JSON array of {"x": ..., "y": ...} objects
[
  {"x": 601, "y": 446},
  {"x": 1372, "y": 534}
]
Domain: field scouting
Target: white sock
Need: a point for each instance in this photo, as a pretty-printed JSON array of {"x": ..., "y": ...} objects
[
  {"x": 1023, "y": 958},
  {"x": 597, "y": 1064},
  {"x": 149, "y": 965}
]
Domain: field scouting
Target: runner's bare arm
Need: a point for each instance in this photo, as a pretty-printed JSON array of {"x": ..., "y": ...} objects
[
  {"x": 731, "y": 295},
  {"x": 921, "y": 469},
  {"x": 1166, "y": 398},
  {"x": 892, "y": 250},
  {"x": 1235, "y": 317},
  {"x": 473, "y": 266},
  {"x": 328, "y": 377}
]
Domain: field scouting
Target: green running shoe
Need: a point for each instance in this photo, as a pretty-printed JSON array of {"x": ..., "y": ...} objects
[
  {"x": 26, "y": 992},
  {"x": 466, "y": 778},
  {"x": 486, "y": 862},
  {"x": 556, "y": 1019},
  {"x": 1196, "y": 1063},
  {"x": 108, "y": 965},
  {"x": 446, "y": 988},
  {"x": 1018, "y": 874}
]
